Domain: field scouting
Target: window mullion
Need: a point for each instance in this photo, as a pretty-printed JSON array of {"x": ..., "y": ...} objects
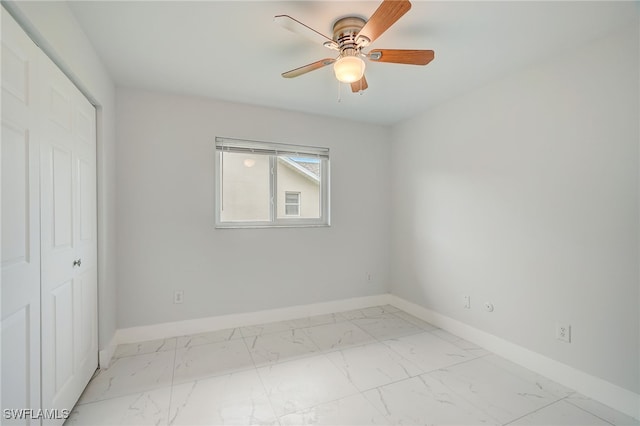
[{"x": 273, "y": 185}]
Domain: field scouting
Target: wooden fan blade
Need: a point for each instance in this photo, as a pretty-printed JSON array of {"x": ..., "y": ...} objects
[
  {"x": 360, "y": 85},
  {"x": 400, "y": 56},
  {"x": 385, "y": 16},
  {"x": 295, "y": 26},
  {"x": 308, "y": 68}
]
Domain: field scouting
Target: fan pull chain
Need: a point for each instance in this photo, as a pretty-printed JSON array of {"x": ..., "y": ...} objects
[{"x": 339, "y": 92}]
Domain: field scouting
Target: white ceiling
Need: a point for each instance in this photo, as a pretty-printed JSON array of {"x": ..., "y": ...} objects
[{"x": 232, "y": 50}]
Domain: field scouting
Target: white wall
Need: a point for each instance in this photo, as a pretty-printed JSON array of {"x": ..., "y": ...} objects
[
  {"x": 524, "y": 193},
  {"x": 54, "y": 28},
  {"x": 166, "y": 236}
]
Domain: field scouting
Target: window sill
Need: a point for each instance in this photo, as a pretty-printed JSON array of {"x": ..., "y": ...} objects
[{"x": 262, "y": 226}]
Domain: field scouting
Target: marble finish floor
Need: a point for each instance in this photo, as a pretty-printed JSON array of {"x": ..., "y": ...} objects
[{"x": 373, "y": 366}]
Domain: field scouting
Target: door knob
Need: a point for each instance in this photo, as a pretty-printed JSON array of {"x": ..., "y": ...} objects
[{"x": 77, "y": 262}]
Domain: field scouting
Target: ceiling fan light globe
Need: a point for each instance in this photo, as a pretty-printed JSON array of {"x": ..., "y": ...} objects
[{"x": 349, "y": 69}]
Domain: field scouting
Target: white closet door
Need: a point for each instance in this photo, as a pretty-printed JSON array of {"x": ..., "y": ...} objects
[
  {"x": 68, "y": 227},
  {"x": 20, "y": 250}
]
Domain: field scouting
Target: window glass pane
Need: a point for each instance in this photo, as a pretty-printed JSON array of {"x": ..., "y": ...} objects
[
  {"x": 298, "y": 177},
  {"x": 245, "y": 191},
  {"x": 292, "y": 197}
]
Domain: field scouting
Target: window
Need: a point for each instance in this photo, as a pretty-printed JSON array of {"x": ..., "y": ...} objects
[
  {"x": 261, "y": 184},
  {"x": 292, "y": 203}
]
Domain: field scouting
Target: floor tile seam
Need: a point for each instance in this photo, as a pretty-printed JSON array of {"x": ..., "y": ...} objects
[
  {"x": 329, "y": 350},
  {"x": 285, "y": 360},
  {"x": 471, "y": 403},
  {"x": 137, "y": 392},
  {"x": 542, "y": 408},
  {"x": 296, "y": 358},
  {"x": 464, "y": 361},
  {"x": 264, "y": 387},
  {"x": 414, "y": 324},
  {"x": 325, "y": 323},
  {"x": 384, "y": 415},
  {"x": 418, "y": 368},
  {"x": 345, "y": 375},
  {"x": 556, "y": 398},
  {"x": 287, "y": 329},
  {"x": 169, "y": 385},
  {"x": 335, "y": 400},
  {"x": 376, "y": 316},
  {"x": 449, "y": 341},
  {"x": 303, "y": 333},
  {"x": 239, "y": 336},
  {"x": 354, "y": 346},
  {"x": 268, "y": 363},
  {"x": 568, "y": 400},
  {"x": 266, "y": 394},
  {"x": 561, "y": 395},
  {"x": 387, "y": 414},
  {"x": 484, "y": 355},
  {"x": 471, "y": 354},
  {"x": 393, "y": 306},
  {"x": 391, "y": 383},
  {"x": 339, "y": 370},
  {"x": 263, "y": 333},
  {"x": 206, "y": 343},
  {"x": 423, "y": 371},
  {"x": 517, "y": 376},
  {"x": 141, "y": 354},
  {"x": 142, "y": 342},
  {"x": 362, "y": 329},
  {"x": 383, "y": 339},
  {"x": 345, "y": 319},
  {"x": 322, "y": 403},
  {"x": 366, "y": 316},
  {"x": 456, "y": 344},
  {"x": 305, "y": 330},
  {"x": 212, "y": 375},
  {"x": 379, "y": 314},
  {"x": 419, "y": 329},
  {"x": 173, "y": 373}
]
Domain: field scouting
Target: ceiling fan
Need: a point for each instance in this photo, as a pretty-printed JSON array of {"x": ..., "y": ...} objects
[{"x": 351, "y": 35}]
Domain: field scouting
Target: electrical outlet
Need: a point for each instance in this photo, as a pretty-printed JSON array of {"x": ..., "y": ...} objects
[
  {"x": 178, "y": 296},
  {"x": 563, "y": 332},
  {"x": 467, "y": 302}
]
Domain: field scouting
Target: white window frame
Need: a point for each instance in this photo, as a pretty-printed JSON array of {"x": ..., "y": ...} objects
[{"x": 273, "y": 150}]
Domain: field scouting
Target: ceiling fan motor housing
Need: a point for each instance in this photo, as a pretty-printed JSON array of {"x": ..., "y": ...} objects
[{"x": 345, "y": 31}]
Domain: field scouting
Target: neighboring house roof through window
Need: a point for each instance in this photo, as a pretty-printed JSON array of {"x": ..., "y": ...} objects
[{"x": 308, "y": 167}]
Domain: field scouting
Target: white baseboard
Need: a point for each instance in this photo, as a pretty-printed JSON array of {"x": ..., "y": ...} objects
[
  {"x": 598, "y": 389},
  {"x": 105, "y": 355},
  {"x": 201, "y": 325}
]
